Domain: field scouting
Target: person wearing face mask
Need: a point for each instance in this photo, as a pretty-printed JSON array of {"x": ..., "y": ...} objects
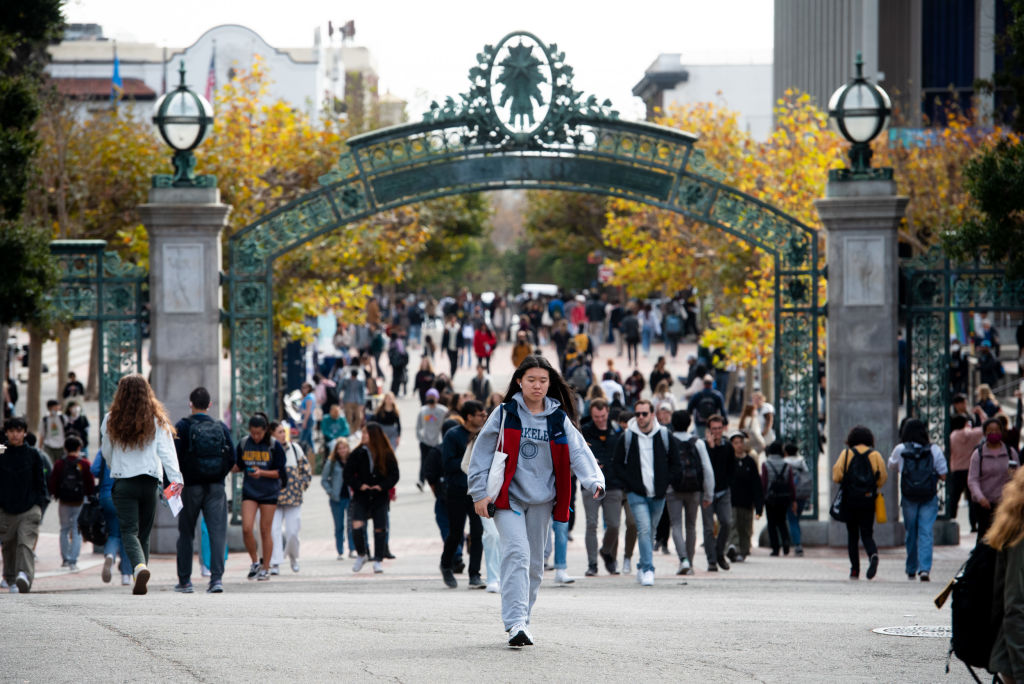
[
  {"x": 544, "y": 447},
  {"x": 78, "y": 423},
  {"x": 992, "y": 466},
  {"x": 52, "y": 431}
]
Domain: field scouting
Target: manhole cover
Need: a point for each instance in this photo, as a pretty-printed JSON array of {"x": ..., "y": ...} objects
[{"x": 930, "y": 631}]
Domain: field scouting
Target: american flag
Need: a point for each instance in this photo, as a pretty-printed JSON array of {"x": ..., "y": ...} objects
[{"x": 211, "y": 79}]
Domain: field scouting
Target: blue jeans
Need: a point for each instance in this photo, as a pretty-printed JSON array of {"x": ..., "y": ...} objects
[
  {"x": 645, "y": 339},
  {"x": 114, "y": 545},
  {"x": 338, "y": 509},
  {"x": 794, "y": 521},
  {"x": 919, "y": 519},
  {"x": 561, "y": 530},
  {"x": 647, "y": 512},
  {"x": 70, "y": 537}
]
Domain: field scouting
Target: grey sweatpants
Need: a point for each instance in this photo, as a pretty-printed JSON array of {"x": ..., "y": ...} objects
[
  {"x": 612, "y": 506},
  {"x": 677, "y": 503},
  {"x": 721, "y": 508},
  {"x": 522, "y": 559}
]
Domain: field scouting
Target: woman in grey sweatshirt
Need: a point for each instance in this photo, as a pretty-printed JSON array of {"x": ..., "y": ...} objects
[{"x": 544, "y": 447}]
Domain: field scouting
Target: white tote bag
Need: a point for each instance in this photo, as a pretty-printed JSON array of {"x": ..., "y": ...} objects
[{"x": 496, "y": 475}]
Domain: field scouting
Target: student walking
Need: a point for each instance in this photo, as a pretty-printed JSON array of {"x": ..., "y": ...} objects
[
  {"x": 137, "y": 438},
  {"x": 333, "y": 481},
  {"x": 1006, "y": 536},
  {"x": 779, "y": 496},
  {"x": 263, "y": 462},
  {"x": 921, "y": 465},
  {"x": 22, "y": 498},
  {"x": 371, "y": 472},
  {"x": 114, "y": 546},
  {"x": 860, "y": 471},
  {"x": 298, "y": 473},
  {"x": 991, "y": 467},
  {"x": 70, "y": 482},
  {"x": 544, "y": 448}
]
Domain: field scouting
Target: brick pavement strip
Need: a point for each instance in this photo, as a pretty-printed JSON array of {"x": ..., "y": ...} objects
[{"x": 769, "y": 619}]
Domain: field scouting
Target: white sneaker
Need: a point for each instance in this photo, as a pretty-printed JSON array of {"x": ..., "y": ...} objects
[
  {"x": 141, "y": 579},
  {"x": 519, "y": 636},
  {"x": 275, "y": 569},
  {"x": 378, "y": 567},
  {"x": 684, "y": 567},
  {"x": 126, "y": 580},
  {"x": 493, "y": 588},
  {"x": 627, "y": 566},
  {"x": 295, "y": 566},
  {"x": 562, "y": 577},
  {"x": 3, "y": 584},
  {"x": 341, "y": 556},
  {"x": 360, "y": 562},
  {"x": 108, "y": 562},
  {"x": 14, "y": 590},
  {"x": 648, "y": 578},
  {"x": 204, "y": 571}
]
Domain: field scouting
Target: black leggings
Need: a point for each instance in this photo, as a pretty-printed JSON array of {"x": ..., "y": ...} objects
[
  {"x": 460, "y": 506},
  {"x": 453, "y": 359},
  {"x": 778, "y": 528},
  {"x": 860, "y": 520},
  {"x": 378, "y": 510}
]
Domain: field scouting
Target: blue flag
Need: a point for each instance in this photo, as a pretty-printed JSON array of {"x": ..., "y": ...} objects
[{"x": 116, "y": 86}]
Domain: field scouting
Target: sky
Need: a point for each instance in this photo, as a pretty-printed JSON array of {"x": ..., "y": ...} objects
[{"x": 425, "y": 49}]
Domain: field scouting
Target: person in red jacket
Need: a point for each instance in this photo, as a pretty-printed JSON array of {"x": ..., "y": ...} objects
[
  {"x": 70, "y": 482},
  {"x": 484, "y": 342}
]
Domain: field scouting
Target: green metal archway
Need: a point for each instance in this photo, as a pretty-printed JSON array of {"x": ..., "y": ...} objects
[{"x": 523, "y": 125}]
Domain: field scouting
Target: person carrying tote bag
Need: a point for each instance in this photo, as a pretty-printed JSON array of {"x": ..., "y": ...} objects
[{"x": 860, "y": 471}]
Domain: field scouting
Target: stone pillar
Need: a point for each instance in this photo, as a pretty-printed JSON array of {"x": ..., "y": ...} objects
[
  {"x": 184, "y": 226},
  {"x": 861, "y": 219}
]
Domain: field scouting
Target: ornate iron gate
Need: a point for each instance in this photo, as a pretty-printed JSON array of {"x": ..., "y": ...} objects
[
  {"x": 523, "y": 125},
  {"x": 935, "y": 288},
  {"x": 97, "y": 286}
]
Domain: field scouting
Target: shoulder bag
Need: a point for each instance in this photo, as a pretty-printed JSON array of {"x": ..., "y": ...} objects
[{"x": 496, "y": 475}]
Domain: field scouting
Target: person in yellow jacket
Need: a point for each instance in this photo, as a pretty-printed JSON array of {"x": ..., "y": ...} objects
[{"x": 860, "y": 471}]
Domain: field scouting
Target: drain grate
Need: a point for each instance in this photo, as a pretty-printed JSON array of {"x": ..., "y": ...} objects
[{"x": 927, "y": 631}]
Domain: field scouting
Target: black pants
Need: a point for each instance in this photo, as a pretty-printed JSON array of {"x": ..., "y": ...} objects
[
  {"x": 983, "y": 516},
  {"x": 960, "y": 487},
  {"x": 631, "y": 352},
  {"x": 778, "y": 528},
  {"x": 211, "y": 500},
  {"x": 860, "y": 520},
  {"x": 362, "y": 511},
  {"x": 661, "y": 535},
  {"x": 453, "y": 359},
  {"x": 460, "y": 506}
]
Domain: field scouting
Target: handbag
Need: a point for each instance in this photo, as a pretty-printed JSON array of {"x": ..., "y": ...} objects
[
  {"x": 496, "y": 475},
  {"x": 880, "y": 515},
  {"x": 836, "y": 509}
]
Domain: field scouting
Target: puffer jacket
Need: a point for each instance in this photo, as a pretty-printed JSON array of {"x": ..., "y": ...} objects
[{"x": 299, "y": 476}]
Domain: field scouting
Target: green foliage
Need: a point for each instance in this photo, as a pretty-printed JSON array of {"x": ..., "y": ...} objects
[
  {"x": 25, "y": 30},
  {"x": 995, "y": 179},
  {"x": 454, "y": 255},
  {"x": 563, "y": 229},
  {"x": 1011, "y": 47},
  {"x": 30, "y": 273}
]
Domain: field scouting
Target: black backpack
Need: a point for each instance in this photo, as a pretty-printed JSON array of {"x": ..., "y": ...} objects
[
  {"x": 92, "y": 523},
  {"x": 860, "y": 484},
  {"x": 975, "y": 624},
  {"x": 778, "y": 485},
  {"x": 72, "y": 485},
  {"x": 691, "y": 475},
  {"x": 207, "y": 444},
  {"x": 707, "y": 407},
  {"x": 918, "y": 480}
]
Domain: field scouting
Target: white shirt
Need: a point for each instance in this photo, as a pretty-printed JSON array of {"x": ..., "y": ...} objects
[
  {"x": 610, "y": 388},
  {"x": 645, "y": 446},
  {"x": 766, "y": 410}
]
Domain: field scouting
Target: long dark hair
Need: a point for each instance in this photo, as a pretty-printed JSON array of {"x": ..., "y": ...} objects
[
  {"x": 558, "y": 389},
  {"x": 379, "y": 447},
  {"x": 914, "y": 430}
]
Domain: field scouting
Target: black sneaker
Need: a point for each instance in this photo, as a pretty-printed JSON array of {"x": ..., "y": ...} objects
[
  {"x": 609, "y": 563},
  {"x": 722, "y": 563},
  {"x": 216, "y": 587},
  {"x": 475, "y": 582},
  {"x": 184, "y": 587},
  {"x": 873, "y": 566},
  {"x": 459, "y": 567},
  {"x": 924, "y": 577},
  {"x": 591, "y": 570},
  {"x": 253, "y": 570},
  {"x": 449, "y": 578},
  {"x": 730, "y": 554},
  {"x": 854, "y": 574},
  {"x": 712, "y": 567}
]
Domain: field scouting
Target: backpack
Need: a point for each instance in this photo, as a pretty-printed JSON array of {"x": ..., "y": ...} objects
[
  {"x": 778, "y": 485},
  {"x": 706, "y": 407},
  {"x": 206, "y": 445},
  {"x": 691, "y": 476},
  {"x": 674, "y": 325},
  {"x": 860, "y": 484},
  {"x": 580, "y": 378},
  {"x": 974, "y": 625},
  {"x": 631, "y": 328},
  {"x": 92, "y": 523},
  {"x": 331, "y": 397},
  {"x": 918, "y": 479},
  {"x": 72, "y": 485},
  {"x": 804, "y": 484},
  {"x": 663, "y": 431}
]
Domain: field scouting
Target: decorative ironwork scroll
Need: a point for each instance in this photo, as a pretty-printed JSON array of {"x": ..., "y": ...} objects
[
  {"x": 522, "y": 124},
  {"x": 937, "y": 288},
  {"x": 97, "y": 286}
]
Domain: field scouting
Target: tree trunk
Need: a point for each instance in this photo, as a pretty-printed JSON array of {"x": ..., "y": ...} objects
[
  {"x": 768, "y": 380},
  {"x": 63, "y": 333},
  {"x": 748, "y": 386},
  {"x": 36, "y": 337},
  {"x": 92, "y": 383}
]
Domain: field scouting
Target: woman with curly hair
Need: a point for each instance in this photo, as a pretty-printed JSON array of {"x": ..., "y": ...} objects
[
  {"x": 1006, "y": 536},
  {"x": 137, "y": 440}
]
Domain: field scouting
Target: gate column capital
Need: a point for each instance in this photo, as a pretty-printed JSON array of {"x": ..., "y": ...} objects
[
  {"x": 861, "y": 219},
  {"x": 184, "y": 226}
]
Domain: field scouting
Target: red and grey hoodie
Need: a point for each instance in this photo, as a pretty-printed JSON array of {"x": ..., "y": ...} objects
[{"x": 543, "y": 451}]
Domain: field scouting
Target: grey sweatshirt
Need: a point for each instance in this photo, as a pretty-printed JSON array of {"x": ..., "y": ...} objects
[
  {"x": 534, "y": 481},
  {"x": 428, "y": 424}
]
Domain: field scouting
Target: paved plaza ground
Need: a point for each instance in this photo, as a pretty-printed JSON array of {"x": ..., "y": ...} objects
[{"x": 769, "y": 619}]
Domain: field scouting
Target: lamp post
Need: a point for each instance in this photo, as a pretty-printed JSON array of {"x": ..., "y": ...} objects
[
  {"x": 183, "y": 118},
  {"x": 860, "y": 110}
]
